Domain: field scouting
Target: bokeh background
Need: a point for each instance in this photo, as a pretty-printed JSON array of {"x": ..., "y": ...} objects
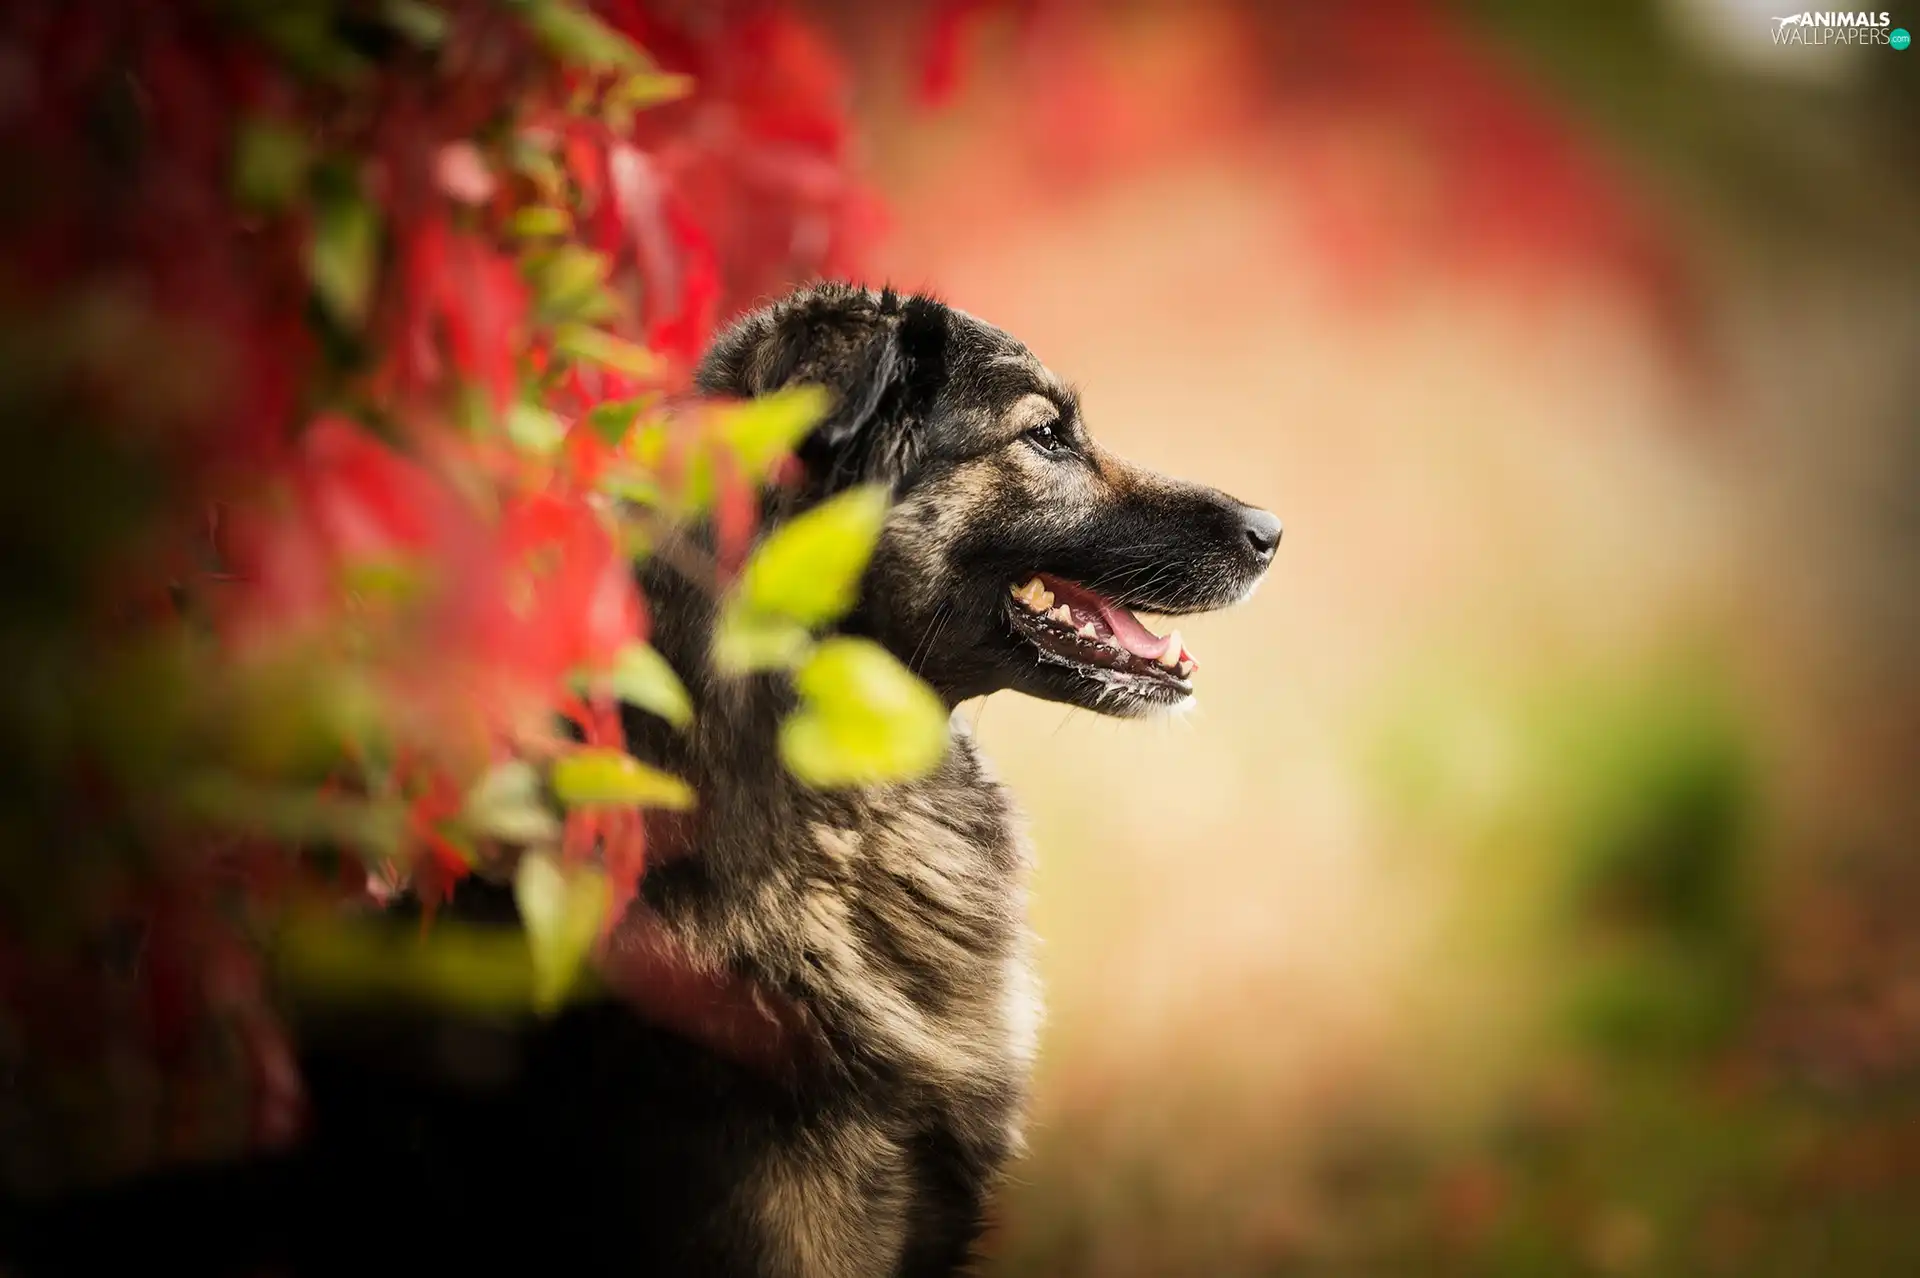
[{"x": 1532, "y": 890}]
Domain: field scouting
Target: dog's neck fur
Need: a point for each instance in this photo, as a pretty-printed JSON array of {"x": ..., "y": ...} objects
[{"x": 892, "y": 918}]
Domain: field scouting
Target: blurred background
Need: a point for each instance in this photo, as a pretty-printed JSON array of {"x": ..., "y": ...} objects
[{"x": 1532, "y": 889}]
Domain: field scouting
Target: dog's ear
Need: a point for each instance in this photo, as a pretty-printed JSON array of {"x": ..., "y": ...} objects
[{"x": 880, "y": 356}]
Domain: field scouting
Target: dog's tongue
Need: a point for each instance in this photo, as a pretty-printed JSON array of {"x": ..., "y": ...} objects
[
  {"x": 1133, "y": 636},
  {"x": 1126, "y": 627}
]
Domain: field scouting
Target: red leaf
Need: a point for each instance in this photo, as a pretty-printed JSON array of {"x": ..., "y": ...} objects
[
  {"x": 624, "y": 854},
  {"x": 483, "y": 303},
  {"x": 367, "y": 501},
  {"x": 681, "y": 325},
  {"x": 457, "y": 288},
  {"x": 423, "y": 263},
  {"x": 943, "y": 60},
  {"x": 571, "y": 599}
]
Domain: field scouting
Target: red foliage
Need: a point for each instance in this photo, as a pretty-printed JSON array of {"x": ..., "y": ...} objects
[{"x": 311, "y": 234}]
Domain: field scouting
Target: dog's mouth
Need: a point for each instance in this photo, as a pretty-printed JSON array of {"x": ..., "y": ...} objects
[{"x": 1074, "y": 625}]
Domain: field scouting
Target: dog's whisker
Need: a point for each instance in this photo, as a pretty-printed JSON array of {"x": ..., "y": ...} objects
[{"x": 929, "y": 635}]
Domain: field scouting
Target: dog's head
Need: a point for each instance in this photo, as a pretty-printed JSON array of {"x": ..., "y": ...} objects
[{"x": 1018, "y": 548}]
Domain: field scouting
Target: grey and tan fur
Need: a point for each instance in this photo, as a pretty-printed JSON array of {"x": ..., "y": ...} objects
[{"x": 885, "y": 929}]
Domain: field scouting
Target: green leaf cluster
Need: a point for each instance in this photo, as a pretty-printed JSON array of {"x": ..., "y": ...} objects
[{"x": 863, "y": 717}]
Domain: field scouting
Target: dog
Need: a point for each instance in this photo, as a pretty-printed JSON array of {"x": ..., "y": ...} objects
[{"x": 814, "y": 1058}]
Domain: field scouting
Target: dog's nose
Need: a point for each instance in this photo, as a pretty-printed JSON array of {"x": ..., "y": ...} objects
[{"x": 1263, "y": 530}]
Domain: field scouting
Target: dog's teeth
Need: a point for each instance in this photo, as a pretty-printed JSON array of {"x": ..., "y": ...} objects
[
  {"x": 1062, "y": 614},
  {"x": 1170, "y": 656},
  {"x": 1086, "y": 631},
  {"x": 1034, "y": 595},
  {"x": 1185, "y": 667}
]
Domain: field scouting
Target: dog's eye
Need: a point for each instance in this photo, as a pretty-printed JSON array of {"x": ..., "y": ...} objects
[{"x": 1045, "y": 438}]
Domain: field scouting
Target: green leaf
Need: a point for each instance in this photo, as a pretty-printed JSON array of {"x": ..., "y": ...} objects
[
  {"x": 340, "y": 259},
  {"x": 613, "y": 419},
  {"x": 650, "y": 87},
  {"x": 762, "y": 431},
  {"x": 536, "y": 161},
  {"x": 864, "y": 718},
  {"x": 636, "y": 477},
  {"x": 509, "y": 804},
  {"x": 535, "y": 430},
  {"x": 305, "y": 35},
  {"x": 594, "y": 778},
  {"x": 422, "y": 23},
  {"x": 638, "y": 487},
  {"x": 294, "y": 814},
  {"x": 270, "y": 164},
  {"x": 809, "y": 568},
  {"x": 577, "y": 36},
  {"x": 562, "y": 908},
  {"x": 323, "y": 957},
  {"x": 596, "y": 347},
  {"x": 638, "y": 92},
  {"x": 291, "y": 715},
  {"x": 642, "y": 677},
  {"x": 805, "y": 574},
  {"x": 569, "y": 283},
  {"x": 382, "y": 580},
  {"x": 699, "y": 484},
  {"x": 636, "y": 542},
  {"x": 540, "y": 220},
  {"x": 747, "y": 641},
  {"x": 648, "y": 447}
]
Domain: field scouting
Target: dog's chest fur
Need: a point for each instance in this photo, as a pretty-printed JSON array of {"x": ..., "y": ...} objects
[
  {"x": 899, "y": 926},
  {"x": 894, "y": 918}
]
